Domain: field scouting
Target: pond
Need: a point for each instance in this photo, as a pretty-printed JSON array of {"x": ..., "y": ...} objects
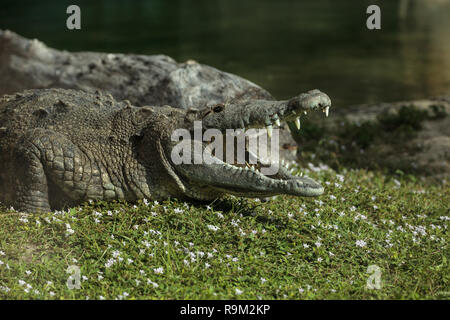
[{"x": 286, "y": 46}]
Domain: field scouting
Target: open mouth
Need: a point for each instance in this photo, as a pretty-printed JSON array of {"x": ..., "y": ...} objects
[
  {"x": 295, "y": 117},
  {"x": 255, "y": 176}
]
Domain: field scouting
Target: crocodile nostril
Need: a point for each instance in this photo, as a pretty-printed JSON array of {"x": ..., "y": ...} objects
[{"x": 218, "y": 108}]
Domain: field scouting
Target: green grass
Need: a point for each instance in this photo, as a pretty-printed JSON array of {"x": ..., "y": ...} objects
[{"x": 234, "y": 248}]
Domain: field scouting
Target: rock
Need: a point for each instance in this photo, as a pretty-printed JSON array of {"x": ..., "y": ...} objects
[
  {"x": 426, "y": 149},
  {"x": 153, "y": 80}
]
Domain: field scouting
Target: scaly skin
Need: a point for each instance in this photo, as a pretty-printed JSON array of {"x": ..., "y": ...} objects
[{"x": 59, "y": 148}]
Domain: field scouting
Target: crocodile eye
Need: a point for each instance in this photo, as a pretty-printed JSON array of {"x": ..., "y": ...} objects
[{"x": 218, "y": 108}]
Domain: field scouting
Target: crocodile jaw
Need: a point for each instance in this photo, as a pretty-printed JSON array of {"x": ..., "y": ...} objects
[{"x": 205, "y": 181}]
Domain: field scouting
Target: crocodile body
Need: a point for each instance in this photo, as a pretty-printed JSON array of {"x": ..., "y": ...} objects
[{"x": 60, "y": 147}]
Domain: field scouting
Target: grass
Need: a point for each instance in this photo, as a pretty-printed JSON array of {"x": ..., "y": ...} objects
[{"x": 235, "y": 248}]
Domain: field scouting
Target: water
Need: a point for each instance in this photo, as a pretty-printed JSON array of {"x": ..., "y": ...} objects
[{"x": 286, "y": 46}]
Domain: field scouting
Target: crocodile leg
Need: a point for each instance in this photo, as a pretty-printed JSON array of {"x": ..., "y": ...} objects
[
  {"x": 49, "y": 160},
  {"x": 31, "y": 189}
]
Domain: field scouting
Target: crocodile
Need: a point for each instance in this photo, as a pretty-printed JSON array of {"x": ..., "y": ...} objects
[{"x": 62, "y": 147}]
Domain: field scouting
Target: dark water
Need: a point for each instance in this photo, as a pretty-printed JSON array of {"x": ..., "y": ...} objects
[{"x": 286, "y": 46}]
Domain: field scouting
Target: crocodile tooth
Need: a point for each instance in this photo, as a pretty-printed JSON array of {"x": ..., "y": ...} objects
[
  {"x": 297, "y": 123},
  {"x": 277, "y": 122},
  {"x": 269, "y": 130},
  {"x": 327, "y": 109}
]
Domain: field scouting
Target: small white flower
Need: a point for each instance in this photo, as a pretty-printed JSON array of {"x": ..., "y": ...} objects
[
  {"x": 213, "y": 228},
  {"x": 97, "y": 214},
  {"x": 116, "y": 253},
  {"x": 238, "y": 292},
  {"x": 263, "y": 280},
  {"x": 5, "y": 289},
  {"x": 361, "y": 243},
  {"x": 159, "y": 270},
  {"x": 109, "y": 263},
  {"x": 146, "y": 243}
]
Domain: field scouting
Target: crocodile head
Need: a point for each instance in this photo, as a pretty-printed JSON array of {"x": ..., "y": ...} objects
[{"x": 212, "y": 175}]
